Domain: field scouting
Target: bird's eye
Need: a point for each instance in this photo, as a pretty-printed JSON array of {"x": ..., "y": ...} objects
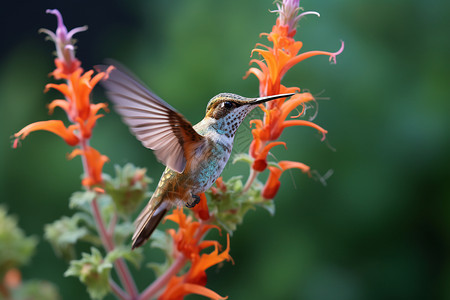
[{"x": 228, "y": 104}]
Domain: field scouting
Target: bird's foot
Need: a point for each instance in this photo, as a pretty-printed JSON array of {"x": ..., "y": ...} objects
[{"x": 194, "y": 201}]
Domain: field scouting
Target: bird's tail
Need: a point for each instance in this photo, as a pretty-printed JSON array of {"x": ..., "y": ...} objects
[{"x": 148, "y": 220}]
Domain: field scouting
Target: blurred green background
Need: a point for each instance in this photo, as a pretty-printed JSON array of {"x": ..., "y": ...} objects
[{"x": 380, "y": 229}]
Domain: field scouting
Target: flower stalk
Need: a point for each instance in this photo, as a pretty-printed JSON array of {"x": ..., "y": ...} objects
[
  {"x": 83, "y": 116},
  {"x": 277, "y": 61}
]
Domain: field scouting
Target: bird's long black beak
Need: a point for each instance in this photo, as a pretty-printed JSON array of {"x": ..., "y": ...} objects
[{"x": 268, "y": 98}]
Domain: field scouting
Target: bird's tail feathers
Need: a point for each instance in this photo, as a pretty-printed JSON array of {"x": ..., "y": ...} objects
[{"x": 147, "y": 221}]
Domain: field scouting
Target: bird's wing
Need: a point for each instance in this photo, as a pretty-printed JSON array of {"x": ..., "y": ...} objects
[{"x": 154, "y": 122}]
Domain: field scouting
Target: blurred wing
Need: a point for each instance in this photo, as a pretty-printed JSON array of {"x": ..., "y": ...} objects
[{"x": 154, "y": 122}]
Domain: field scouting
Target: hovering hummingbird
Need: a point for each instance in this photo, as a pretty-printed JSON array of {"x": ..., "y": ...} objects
[{"x": 194, "y": 155}]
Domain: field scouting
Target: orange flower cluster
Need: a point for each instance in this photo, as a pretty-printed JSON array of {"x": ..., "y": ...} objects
[
  {"x": 277, "y": 60},
  {"x": 188, "y": 242},
  {"x": 80, "y": 111}
]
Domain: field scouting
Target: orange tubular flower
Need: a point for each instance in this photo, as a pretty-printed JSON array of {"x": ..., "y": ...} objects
[
  {"x": 187, "y": 238},
  {"x": 188, "y": 242},
  {"x": 55, "y": 126},
  {"x": 201, "y": 209},
  {"x": 93, "y": 159},
  {"x": 80, "y": 111},
  {"x": 273, "y": 182},
  {"x": 277, "y": 60}
]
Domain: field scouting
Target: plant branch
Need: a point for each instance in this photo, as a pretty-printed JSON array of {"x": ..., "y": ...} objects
[
  {"x": 251, "y": 177},
  {"x": 121, "y": 294},
  {"x": 112, "y": 225},
  {"x": 161, "y": 282},
  {"x": 122, "y": 270}
]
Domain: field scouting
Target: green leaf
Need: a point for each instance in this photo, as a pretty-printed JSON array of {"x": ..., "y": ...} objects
[
  {"x": 162, "y": 241},
  {"x": 231, "y": 205},
  {"x": 128, "y": 188},
  {"x": 65, "y": 232},
  {"x": 133, "y": 256},
  {"x": 93, "y": 271},
  {"x": 123, "y": 232},
  {"x": 82, "y": 200},
  {"x": 15, "y": 248},
  {"x": 269, "y": 205}
]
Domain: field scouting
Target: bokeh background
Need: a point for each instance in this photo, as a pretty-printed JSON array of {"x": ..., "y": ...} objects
[{"x": 379, "y": 229}]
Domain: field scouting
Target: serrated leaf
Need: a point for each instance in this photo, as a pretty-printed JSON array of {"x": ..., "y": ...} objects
[
  {"x": 107, "y": 207},
  {"x": 85, "y": 218},
  {"x": 133, "y": 256},
  {"x": 230, "y": 206},
  {"x": 93, "y": 271},
  {"x": 82, "y": 200},
  {"x": 128, "y": 188},
  {"x": 63, "y": 234}
]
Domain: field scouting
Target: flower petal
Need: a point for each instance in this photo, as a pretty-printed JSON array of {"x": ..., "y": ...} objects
[
  {"x": 63, "y": 88},
  {"x": 260, "y": 163},
  {"x": 295, "y": 60},
  {"x": 208, "y": 260},
  {"x": 285, "y": 165},
  {"x": 189, "y": 288},
  {"x": 55, "y": 126},
  {"x": 305, "y": 123},
  {"x": 94, "y": 162},
  {"x": 201, "y": 209},
  {"x": 272, "y": 184},
  {"x": 293, "y": 102},
  {"x": 59, "y": 103}
]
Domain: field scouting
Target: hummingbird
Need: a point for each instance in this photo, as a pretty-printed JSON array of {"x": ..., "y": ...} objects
[{"x": 194, "y": 156}]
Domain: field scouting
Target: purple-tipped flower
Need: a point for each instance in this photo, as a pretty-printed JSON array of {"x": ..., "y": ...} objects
[
  {"x": 65, "y": 50},
  {"x": 288, "y": 13}
]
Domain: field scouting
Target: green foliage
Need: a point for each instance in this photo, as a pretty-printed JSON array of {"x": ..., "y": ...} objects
[
  {"x": 93, "y": 271},
  {"x": 15, "y": 248},
  {"x": 122, "y": 232},
  {"x": 128, "y": 188},
  {"x": 35, "y": 290},
  {"x": 82, "y": 200},
  {"x": 162, "y": 241},
  {"x": 133, "y": 256},
  {"x": 123, "y": 194},
  {"x": 64, "y": 233},
  {"x": 229, "y": 205}
]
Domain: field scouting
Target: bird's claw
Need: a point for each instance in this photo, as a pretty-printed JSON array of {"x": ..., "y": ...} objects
[{"x": 194, "y": 202}]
